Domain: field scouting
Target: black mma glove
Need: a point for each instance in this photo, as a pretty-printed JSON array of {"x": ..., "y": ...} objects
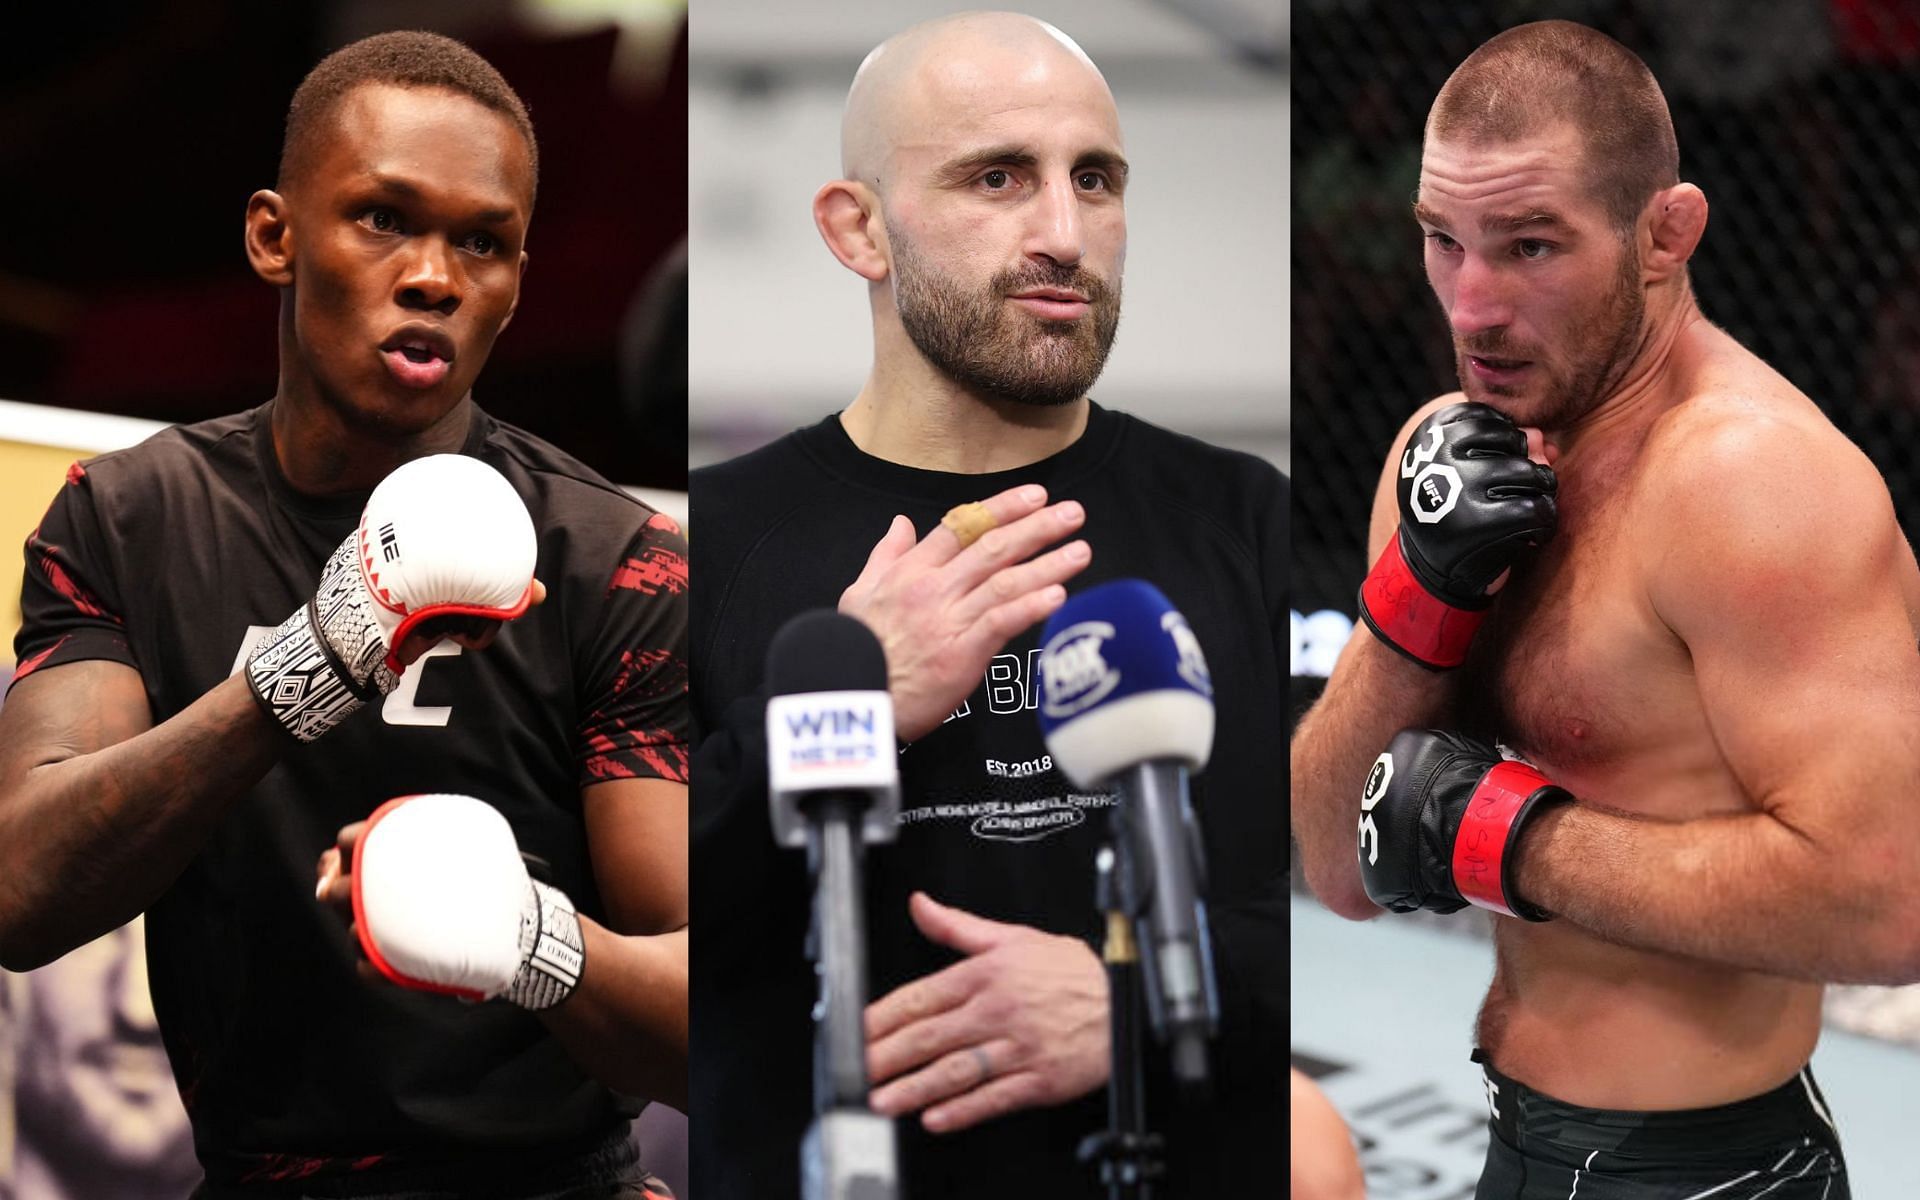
[
  {"x": 1440, "y": 819},
  {"x": 1471, "y": 503}
]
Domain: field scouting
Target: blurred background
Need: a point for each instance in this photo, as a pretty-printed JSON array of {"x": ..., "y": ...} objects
[
  {"x": 780, "y": 334},
  {"x": 130, "y": 138},
  {"x": 1800, "y": 119}
]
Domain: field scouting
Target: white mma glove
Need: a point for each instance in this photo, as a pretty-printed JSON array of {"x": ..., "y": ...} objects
[
  {"x": 443, "y": 903},
  {"x": 441, "y": 536}
]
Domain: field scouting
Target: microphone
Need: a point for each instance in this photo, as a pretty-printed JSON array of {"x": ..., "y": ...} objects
[
  {"x": 833, "y": 786},
  {"x": 1126, "y": 701},
  {"x": 830, "y": 727}
]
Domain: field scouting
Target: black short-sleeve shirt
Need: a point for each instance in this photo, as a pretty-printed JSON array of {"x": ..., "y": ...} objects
[{"x": 173, "y": 557}]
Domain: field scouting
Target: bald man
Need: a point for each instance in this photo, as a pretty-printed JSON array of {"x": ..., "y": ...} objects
[
  {"x": 1675, "y": 753},
  {"x": 982, "y": 206}
]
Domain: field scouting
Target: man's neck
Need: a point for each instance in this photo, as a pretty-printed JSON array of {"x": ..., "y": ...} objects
[
  {"x": 321, "y": 454},
  {"x": 922, "y": 419},
  {"x": 1650, "y": 384}
]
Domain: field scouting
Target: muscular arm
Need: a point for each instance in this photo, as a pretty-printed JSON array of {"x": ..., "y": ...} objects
[
  {"x": 99, "y": 809},
  {"x": 1373, "y": 693},
  {"x": 626, "y": 1024},
  {"x": 1786, "y": 581}
]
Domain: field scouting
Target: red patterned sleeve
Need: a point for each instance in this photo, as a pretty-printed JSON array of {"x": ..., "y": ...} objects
[
  {"x": 637, "y": 722},
  {"x": 69, "y": 601}
]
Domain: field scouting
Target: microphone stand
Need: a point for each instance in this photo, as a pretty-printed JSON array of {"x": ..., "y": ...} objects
[
  {"x": 848, "y": 1153},
  {"x": 1126, "y": 1154}
]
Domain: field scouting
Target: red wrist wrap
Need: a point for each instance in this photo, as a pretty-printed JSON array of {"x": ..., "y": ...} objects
[
  {"x": 1416, "y": 622},
  {"x": 1480, "y": 848}
]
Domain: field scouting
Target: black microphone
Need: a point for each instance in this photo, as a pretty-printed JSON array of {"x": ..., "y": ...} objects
[
  {"x": 830, "y": 737},
  {"x": 834, "y": 785},
  {"x": 1127, "y": 703}
]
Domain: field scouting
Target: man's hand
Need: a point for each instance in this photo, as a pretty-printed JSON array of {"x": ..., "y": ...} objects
[
  {"x": 441, "y": 902},
  {"x": 1471, "y": 503},
  {"x": 1021, "y": 1023},
  {"x": 1440, "y": 824},
  {"x": 443, "y": 540},
  {"x": 942, "y": 612}
]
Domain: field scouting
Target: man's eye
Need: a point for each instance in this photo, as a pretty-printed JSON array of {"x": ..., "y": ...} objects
[
  {"x": 1091, "y": 181},
  {"x": 1530, "y": 248},
  {"x": 380, "y": 220},
  {"x": 997, "y": 180},
  {"x": 1442, "y": 242},
  {"x": 482, "y": 243}
]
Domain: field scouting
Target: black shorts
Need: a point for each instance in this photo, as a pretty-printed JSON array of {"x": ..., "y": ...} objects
[{"x": 1780, "y": 1145}]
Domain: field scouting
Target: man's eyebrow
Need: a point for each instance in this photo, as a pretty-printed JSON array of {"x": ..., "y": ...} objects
[
  {"x": 394, "y": 185},
  {"x": 962, "y": 169},
  {"x": 1514, "y": 222},
  {"x": 1103, "y": 160},
  {"x": 1493, "y": 223}
]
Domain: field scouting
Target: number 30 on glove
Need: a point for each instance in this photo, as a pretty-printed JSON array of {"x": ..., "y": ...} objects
[
  {"x": 442, "y": 903},
  {"x": 1440, "y": 824},
  {"x": 1471, "y": 506}
]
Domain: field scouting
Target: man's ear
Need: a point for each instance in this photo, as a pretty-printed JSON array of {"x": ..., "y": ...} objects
[
  {"x": 847, "y": 214},
  {"x": 1677, "y": 219},
  {"x": 270, "y": 238}
]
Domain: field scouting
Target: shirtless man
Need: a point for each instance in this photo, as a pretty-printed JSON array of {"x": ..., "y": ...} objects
[{"x": 1710, "y": 654}]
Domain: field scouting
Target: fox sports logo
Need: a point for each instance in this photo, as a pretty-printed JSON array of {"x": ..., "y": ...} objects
[{"x": 1074, "y": 672}]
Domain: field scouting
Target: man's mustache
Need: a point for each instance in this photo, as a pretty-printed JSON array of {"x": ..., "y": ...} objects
[
  {"x": 1496, "y": 346},
  {"x": 1092, "y": 286}
]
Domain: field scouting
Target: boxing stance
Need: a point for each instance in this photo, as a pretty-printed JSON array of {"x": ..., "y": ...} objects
[
  {"x": 1653, "y": 750},
  {"x": 243, "y": 636}
]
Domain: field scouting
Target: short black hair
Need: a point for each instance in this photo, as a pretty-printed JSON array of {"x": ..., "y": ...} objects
[{"x": 408, "y": 58}]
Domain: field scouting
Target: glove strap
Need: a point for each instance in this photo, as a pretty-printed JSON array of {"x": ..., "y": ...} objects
[
  {"x": 343, "y": 613},
  {"x": 326, "y": 661},
  {"x": 1406, "y": 616},
  {"x": 298, "y": 680},
  {"x": 1482, "y": 864},
  {"x": 552, "y": 953}
]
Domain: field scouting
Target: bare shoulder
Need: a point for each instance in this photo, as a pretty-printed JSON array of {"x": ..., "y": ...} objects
[
  {"x": 1756, "y": 490},
  {"x": 1756, "y": 459}
]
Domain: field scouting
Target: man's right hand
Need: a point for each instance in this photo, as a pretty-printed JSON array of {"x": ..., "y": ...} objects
[
  {"x": 1471, "y": 504},
  {"x": 942, "y": 612},
  {"x": 444, "y": 546}
]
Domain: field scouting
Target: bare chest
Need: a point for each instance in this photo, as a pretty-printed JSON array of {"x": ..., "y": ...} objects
[{"x": 1574, "y": 669}]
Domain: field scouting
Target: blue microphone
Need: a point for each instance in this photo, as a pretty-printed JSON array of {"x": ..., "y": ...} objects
[{"x": 1126, "y": 702}]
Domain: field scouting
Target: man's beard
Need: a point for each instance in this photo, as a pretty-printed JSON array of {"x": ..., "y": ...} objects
[
  {"x": 981, "y": 342},
  {"x": 1597, "y": 360}
]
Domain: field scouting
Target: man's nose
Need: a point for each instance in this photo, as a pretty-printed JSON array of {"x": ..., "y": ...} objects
[
  {"x": 427, "y": 280},
  {"x": 1057, "y": 230},
  {"x": 1482, "y": 298},
  {"x": 132, "y": 998}
]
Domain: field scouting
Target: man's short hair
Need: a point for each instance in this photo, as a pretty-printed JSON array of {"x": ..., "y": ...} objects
[
  {"x": 409, "y": 58},
  {"x": 1535, "y": 76}
]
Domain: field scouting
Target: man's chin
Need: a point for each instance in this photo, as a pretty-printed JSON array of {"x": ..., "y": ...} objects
[
  {"x": 389, "y": 410},
  {"x": 1514, "y": 403}
]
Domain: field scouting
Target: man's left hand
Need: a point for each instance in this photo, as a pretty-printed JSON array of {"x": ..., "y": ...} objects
[
  {"x": 1021, "y": 1023},
  {"x": 1440, "y": 823}
]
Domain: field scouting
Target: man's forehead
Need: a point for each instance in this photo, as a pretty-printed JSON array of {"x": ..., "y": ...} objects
[
  {"x": 980, "y": 78},
  {"x": 426, "y": 135},
  {"x": 1545, "y": 169},
  {"x": 964, "y": 107}
]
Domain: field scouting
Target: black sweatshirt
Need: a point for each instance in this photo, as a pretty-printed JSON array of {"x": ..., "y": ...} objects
[{"x": 986, "y": 824}]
